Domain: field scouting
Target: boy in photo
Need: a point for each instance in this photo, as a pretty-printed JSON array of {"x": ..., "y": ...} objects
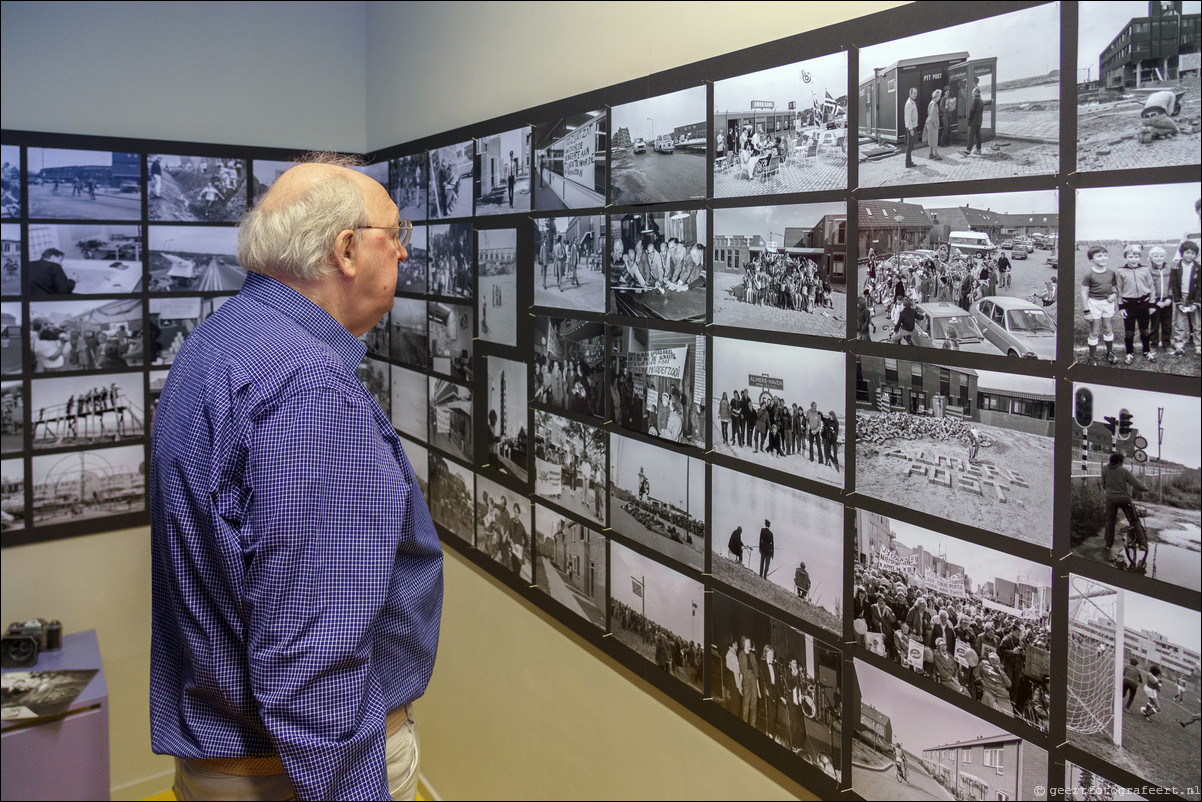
[
  {"x": 1184, "y": 288},
  {"x": 1135, "y": 294},
  {"x": 1099, "y": 289}
]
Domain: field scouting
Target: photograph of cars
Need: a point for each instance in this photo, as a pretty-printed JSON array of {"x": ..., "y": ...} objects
[
  {"x": 939, "y": 319},
  {"x": 640, "y": 146},
  {"x": 1020, "y": 251},
  {"x": 1015, "y": 326}
]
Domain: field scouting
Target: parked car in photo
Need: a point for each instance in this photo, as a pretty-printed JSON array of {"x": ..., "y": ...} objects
[
  {"x": 1019, "y": 252},
  {"x": 1007, "y": 245},
  {"x": 663, "y": 144},
  {"x": 1053, "y": 260},
  {"x": 939, "y": 318},
  {"x": 1015, "y": 326}
]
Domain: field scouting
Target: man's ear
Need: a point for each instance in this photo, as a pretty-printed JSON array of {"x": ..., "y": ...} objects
[{"x": 343, "y": 252}]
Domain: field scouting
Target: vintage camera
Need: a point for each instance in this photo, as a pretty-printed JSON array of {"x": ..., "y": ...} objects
[{"x": 20, "y": 647}]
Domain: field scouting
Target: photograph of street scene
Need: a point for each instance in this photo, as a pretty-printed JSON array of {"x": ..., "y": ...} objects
[
  {"x": 74, "y": 259},
  {"x": 376, "y": 338},
  {"x": 83, "y": 184},
  {"x": 569, "y": 461},
  {"x": 87, "y": 410},
  {"x": 172, "y": 320},
  {"x": 658, "y": 149},
  {"x": 84, "y": 335},
  {"x": 571, "y": 564},
  {"x": 657, "y": 498},
  {"x": 657, "y": 379},
  {"x": 569, "y": 364},
  {"x": 502, "y": 182},
  {"x": 450, "y": 416},
  {"x": 88, "y": 484},
  {"x": 567, "y": 254},
  {"x": 410, "y": 401},
  {"x": 503, "y": 527},
  {"x": 411, "y": 273},
  {"x": 449, "y": 328},
  {"x": 450, "y": 261},
  {"x": 10, "y": 178},
  {"x": 657, "y": 268},
  {"x": 508, "y": 438},
  {"x": 409, "y": 341},
  {"x": 196, "y": 188},
  {"x": 449, "y": 188},
  {"x": 12, "y": 494},
  {"x": 10, "y": 275},
  {"x": 194, "y": 259},
  {"x": 409, "y": 185},
  {"x": 569, "y": 156},
  {"x": 497, "y": 285},
  {"x": 452, "y": 489},
  {"x": 375, "y": 376}
]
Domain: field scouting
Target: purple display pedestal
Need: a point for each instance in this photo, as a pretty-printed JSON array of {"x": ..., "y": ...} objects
[{"x": 66, "y": 757}]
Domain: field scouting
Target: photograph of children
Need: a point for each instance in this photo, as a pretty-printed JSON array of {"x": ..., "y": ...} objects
[
  {"x": 909, "y": 744},
  {"x": 969, "y": 618},
  {"x": 377, "y": 338},
  {"x": 450, "y": 181},
  {"x": 411, "y": 273},
  {"x": 10, "y": 181},
  {"x": 450, "y": 418},
  {"x": 497, "y": 280},
  {"x": 374, "y": 374},
  {"x": 1086, "y": 786},
  {"x": 12, "y": 354},
  {"x": 569, "y": 155},
  {"x": 567, "y": 262},
  {"x": 1133, "y": 683},
  {"x": 961, "y": 273},
  {"x": 508, "y": 438},
  {"x": 659, "y": 149},
  {"x": 571, "y": 564},
  {"x": 12, "y": 424},
  {"x": 657, "y": 498},
  {"x": 657, "y": 613},
  {"x": 409, "y": 185},
  {"x": 782, "y": 130},
  {"x": 503, "y": 185},
  {"x": 782, "y": 546},
  {"x": 569, "y": 364},
  {"x": 452, "y": 488},
  {"x": 450, "y": 333},
  {"x": 83, "y": 335},
  {"x": 194, "y": 259},
  {"x": 657, "y": 268},
  {"x": 973, "y": 101},
  {"x": 1136, "y": 272},
  {"x": 569, "y": 461},
  {"x": 84, "y": 184},
  {"x": 782, "y": 268},
  {"x": 503, "y": 526},
  {"x": 81, "y": 259},
  {"x": 1137, "y": 453},
  {"x": 10, "y": 274},
  {"x": 1136, "y": 107},
  {"x": 971, "y": 446},
  {"x": 196, "y": 188},
  {"x": 450, "y": 264},
  {"x": 410, "y": 401},
  {"x": 419, "y": 459},
  {"x": 264, "y": 173},
  {"x": 12, "y": 496},
  {"x": 88, "y": 484},
  {"x": 779, "y": 681},
  {"x": 782, "y": 402},
  {"x": 87, "y": 410},
  {"x": 657, "y": 383},
  {"x": 409, "y": 342}
]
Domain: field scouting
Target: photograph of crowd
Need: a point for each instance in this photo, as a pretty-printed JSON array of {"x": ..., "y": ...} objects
[
  {"x": 83, "y": 184},
  {"x": 1138, "y": 453},
  {"x": 79, "y": 259},
  {"x": 374, "y": 373},
  {"x": 86, "y": 410},
  {"x": 497, "y": 285},
  {"x": 571, "y": 564},
  {"x": 12, "y": 494},
  {"x": 657, "y": 267},
  {"x": 449, "y": 328},
  {"x": 411, "y": 273},
  {"x": 410, "y": 402},
  {"x": 782, "y": 130},
  {"x": 503, "y": 526},
  {"x": 961, "y": 273},
  {"x": 964, "y": 445},
  {"x": 966, "y": 617},
  {"x": 419, "y": 459},
  {"x": 780, "y": 545},
  {"x": 12, "y": 355},
  {"x": 567, "y": 262},
  {"x": 82, "y": 335},
  {"x": 10, "y": 273},
  {"x": 569, "y": 462},
  {"x": 12, "y": 422},
  {"x": 450, "y": 418},
  {"x": 452, "y": 490},
  {"x": 657, "y": 383},
  {"x": 171, "y": 321},
  {"x": 569, "y": 156},
  {"x": 10, "y": 180},
  {"x": 88, "y": 484},
  {"x": 376, "y": 338},
  {"x": 195, "y": 188},
  {"x": 569, "y": 364},
  {"x": 978, "y": 100},
  {"x": 450, "y": 262},
  {"x": 408, "y": 340},
  {"x": 657, "y": 498},
  {"x": 503, "y": 163},
  {"x": 1135, "y": 271},
  {"x": 194, "y": 259},
  {"x": 658, "y": 149},
  {"x": 449, "y": 185},
  {"x": 409, "y": 185},
  {"x": 508, "y": 435}
]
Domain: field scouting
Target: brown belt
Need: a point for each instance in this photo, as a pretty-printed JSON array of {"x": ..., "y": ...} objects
[{"x": 270, "y": 766}]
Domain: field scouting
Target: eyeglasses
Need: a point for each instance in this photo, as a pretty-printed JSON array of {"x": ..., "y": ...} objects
[{"x": 401, "y": 233}]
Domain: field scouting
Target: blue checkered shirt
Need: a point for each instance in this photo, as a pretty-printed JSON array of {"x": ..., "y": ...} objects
[{"x": 297, "y": 576}]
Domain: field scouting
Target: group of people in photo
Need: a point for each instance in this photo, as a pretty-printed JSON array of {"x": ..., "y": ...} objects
[
  {"x": 673, "y": 654},
  {"x": 82, "y": 414},
  {"x": 76, "y": 347},
  {"x": 564, "y": 257},
  {"x": 786, "y": 282},
  {"x": 502, "y": 534},
  {"x": 566, "y": 384},
  {"x": 580, "y": 473},
  {"x": 662, "y": 265},
  {"x": 778, "y": 428},
  {"x": 450, "y": 273},
  {"x": 669, "y": 414},
  {"x": 660, "y": 518}
]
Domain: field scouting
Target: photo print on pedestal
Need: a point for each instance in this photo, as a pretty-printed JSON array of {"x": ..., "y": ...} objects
[
  {"x": 449, "y": 188},
  {"x": 502, "y": 180},
  {"x": 1135, "y": 482},
  {"x": 779, "y": 545},
  {"x": 782, "y": 130},
  {"x": 82, "y": 259},
  {"x": 658, "y": 149},
  {"x": 909, "y": 742},
  {"x": 419, "y": 459},
  {"x": 83, "y": 335},
  {"x": 657, "y": 380},
  {"x": 778, "y": 680},
  {"x": 450, "y": 416},
  {"x": 782, "y": 268},
  {"x": 1084, "y": 785},
  {"x": 569, "y": 364},
  {"x": 450, "y": 333},
  {"x": 83, "y": 184},
  {"x": 571, "y": 564},
  {"x": 10, "y": 274},
  {"x": 12, "y": 424},
  {"x": 10, "y": 180},
  {"x": 657, "y": 498},
  {"x": 13, "y": 359},
  {"x": 410, "y": 402},
  {"x": 962, "y": 272},
  {"x": 980, "y": 100},
  {"x": 87, "y": 410},
  {"x": 657, "y": 267},
  {"x": 789, "y": 415},
  {"x": 1136, "y": 272},
  {"x": 411, "y": 273},
  {"x": 172, "y": 320},
  {"x": 568, "y": 253},
  {"x": 569, "y": 156},
  {"x": 497, "y": 285},
  {"x": 264, "y": 173},
  {"x": 88, "y": 484},
  {"x": 967, "y": 617},
  {"x": 374, "y": 374},
  {"x": 194, "y": 259},
  {"x": 569, "y": 460},
  {"x": 1138, "y": 92},
  {"x": 508, "y": 438},
  {"x": 450, "y": 264},
  {"x": 195, "y": 188},
  {"x": 409, "y": 341},
  {"x": 452, "y": 490},
  {"x": 377, "y": 338},
  {"x": 409, "y": 190},
  {"x": 657, "y": 613},
  {"x": 503, "y": 525},
  {"x": 12, "y": 495},
  {"x": 1133, "y": 683}
]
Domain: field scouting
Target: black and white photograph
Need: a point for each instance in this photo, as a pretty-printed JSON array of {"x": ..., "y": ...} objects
[
  {"x": 1135, "y": 278},
  {"x": 451, "y": 498},
  {"x": 571, "y": 564},
  {"x": 657, "y": 613},
  {"x": 780, "y": 407},
  {"x": 658, "y": 148},
  {"x": 377, "y": 172},
  {"x": 12, "y": 495},
  {"x": 657, "y": 383},
  {"x": 503, "y": 172},
  {"x": 12, "y": 424},
  {"x": 83, "y": 259},
  {"x": 83, "y": 184},
  {"x": 569, "y": 364},
  {"x": 450, "y": 262},
  {"x": 569, "y": 156},
  {"x": 374, "y": 373},
  {"x": 569, "y": 462},
  {"x": 657, "y": 268},
  {"x": 450, "y": 418},
  {"x": 962, "y": 273},
  {"x": 409, "y": 185},
  {"x": 778, "y": 680},
  {"x": 568, "y": 253},
  {"x": 412, "y": 273},
  {"x": 410, "y": 401},
  {"x": 409, "y": 341},
  {"x": 194, "y": 259},
  {"x": 37, "y": 694},
  {"x": 419, "y": 459},
  {"x": 87, "y": 410},
  {"x": 503, "y": 527},
  {"x": 1083, "y": 785},
  {"x": 508, "y": 437},
  {"x": 782, "y": 130},
  {"x": 450, "y": 181},
  {"x": 951, "y": 613},
  {"x": 10, "y": 181},
  {"x": 1137, "y": 463},
  {"x": 965, "y": 445},
  {"x": 79, "y": 485},
  {"x": 378, "y": 337},
  {"x": 782, "y": 268},
  {"x": 157, "y": 380},
  {"x": 497, "y": 285},
  {"x": 85, "y": 335},
  {"x": 1139, "y": 98},
  {"x": 449, "y": 328},
  {"x": 265, "y": 173},
  {"x": 980, "y": 100},
  {"x": 780, "y": 545},
  {"x": 171, "y": 321},
  {"x": 1133, "y": 683},
  {"x": 10, "y": 273},
  {"x": 12, "y": 355},
  {"x": 195, "y": 188},
  {"x": 657, "y": 498},
  {"x": 911, "y": 745}
]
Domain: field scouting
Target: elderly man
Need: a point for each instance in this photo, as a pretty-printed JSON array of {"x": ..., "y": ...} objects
[{"x": 297, "y": 576}]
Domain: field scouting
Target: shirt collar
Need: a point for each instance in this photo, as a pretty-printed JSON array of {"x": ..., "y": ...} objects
[{"x": 309, "y": 316}]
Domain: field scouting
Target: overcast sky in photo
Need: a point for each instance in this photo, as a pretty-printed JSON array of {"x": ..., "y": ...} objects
[
  {"x": 1099, "y": 22},
  {"x": 685, "y": 107},
  {"x": 752, "y": 220},
  {"x": 40, "y": 158},
  {"x": 1181, "y": 626},
  {"x": 217, "y": 240},
  {"x": 1153, "y": 212},
  {"x": 783, "y": 84},
  {"x": 1044, "y": 201},
  {"x": 673, "y": 600},
  {"x": 674, "y": 478},
  {"x": 1182, "y": 419},
  {"x": 809, "y": 374}
]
